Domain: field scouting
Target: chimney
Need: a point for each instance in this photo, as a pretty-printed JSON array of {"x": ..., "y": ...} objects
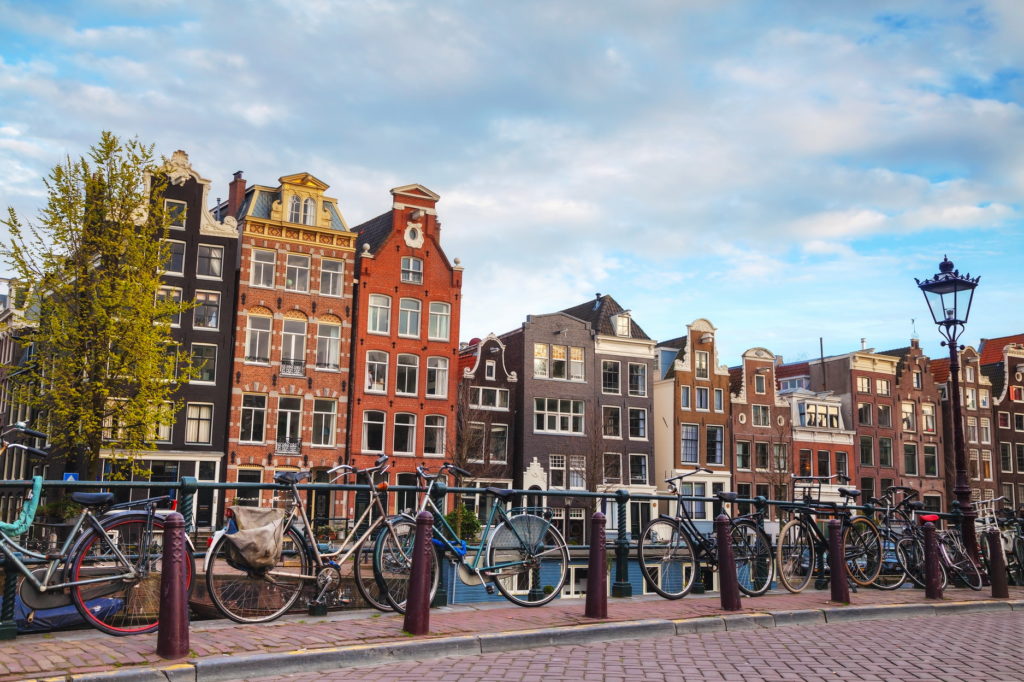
[
  {"x": 914, "y": 343},
  {"x": 778, "y": 360},
  {"x": 863, "y": 343},
  {"x": 236, "y": 190}
]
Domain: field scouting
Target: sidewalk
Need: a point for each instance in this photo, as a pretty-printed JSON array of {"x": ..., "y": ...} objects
[{"x": 222, "y": 650}]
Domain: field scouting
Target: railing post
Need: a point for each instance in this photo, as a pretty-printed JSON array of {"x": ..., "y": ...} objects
[
  {"x": 728, "y": 585},
  {"x": 932, "y": 577},
  {"x": 761, "y": 505},
  {"x": 837, "y": 563},
  {"x": 439, "y": 492},
  {"x": 997, "y": 565},
  {"x": 597, "y": 570},
  {"x": 172, "y": 633},
  {"x": 417, "y": 605},
  {"x": 186, "y": 501},
  {"x": 8, "y": 626},
  {"x": 621, "y": 586}
]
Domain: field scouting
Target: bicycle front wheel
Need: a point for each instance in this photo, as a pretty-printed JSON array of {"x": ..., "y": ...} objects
[
  {"x": 862, "y": 547},
  {"x": 667, "y": 559},
  {"x": 910, "y": 554},
  {"x": 959, "y": 564},
  {"x": 1017, "y": 571},
  {"x": 752, "y": 551},
  {"x": 795, "y": 556},
  {"x": 891, "y": 575},
  {"x": 366, "y": 582},
  {"x": 247, "y": 595},
  {"x": 122, "y": 606},
  {"x": 528, "y": 560},
  {"x": 392, "y": 562}
]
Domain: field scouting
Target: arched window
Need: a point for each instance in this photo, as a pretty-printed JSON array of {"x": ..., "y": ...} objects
[
  {"x": 309, "y": 212},
  {"x": 294, "y": 210}
]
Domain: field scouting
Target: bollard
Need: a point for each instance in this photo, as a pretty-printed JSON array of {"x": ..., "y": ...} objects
[
  {"x": 728, "y": 585},
  {"x": 8, "y": 626},
  {"x": 417, "y": 605},
  {"x": 932, "y": 576},
  {"x": 597, "y": 570},
  {"x": 622, "y": 587},
  {"x": 172, "y": 631},
  {"x": 997, "y": 566},
  {"x": 837, "y": 563}
]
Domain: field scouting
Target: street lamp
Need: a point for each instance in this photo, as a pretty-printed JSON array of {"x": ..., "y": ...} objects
[{"x": 949, "y": 295}]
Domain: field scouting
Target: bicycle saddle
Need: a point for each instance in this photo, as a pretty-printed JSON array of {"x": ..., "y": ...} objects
[
  {"x": 916, "y": 505},
  {"x": 92, "y": 499},
  {"x": 503, "y": 494},
  {"x": 726, "y": 496},
  {"x": 925, "y": 518},
  {"x": 852, "y": 493},
  {"x": 290, "y": 477}
]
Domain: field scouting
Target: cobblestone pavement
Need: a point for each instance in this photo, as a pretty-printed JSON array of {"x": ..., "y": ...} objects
[{"x": 967, "y": 647}]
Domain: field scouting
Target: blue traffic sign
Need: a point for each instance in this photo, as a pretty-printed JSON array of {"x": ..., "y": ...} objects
[{"x": 70, "y": 476}]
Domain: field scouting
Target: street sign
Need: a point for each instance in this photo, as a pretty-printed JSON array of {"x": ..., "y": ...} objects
[{"x": 70, "y": 476}]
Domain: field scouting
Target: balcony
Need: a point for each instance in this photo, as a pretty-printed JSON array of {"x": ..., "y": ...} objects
[
  {"x": 288, "y": 446},
  {"x": 257, "y": 359},
  {"x": 293, "y": 368}
]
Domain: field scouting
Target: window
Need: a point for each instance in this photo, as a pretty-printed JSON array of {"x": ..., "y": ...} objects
[
  {"x": 204, "y": 359},
  {"x": 928, "y": 418},
  {"x": 821, "y": 416},
  {"x": 559, "y": 362},
  {"x": 884, "y": 415},
  {"x": 175, "y": 264},
  {"x": 611, "y": 419},
  {"x": 440, "y": 321},
  {"x": 702, "y": 398},
  {"x": 433, "y": 434},
  {"x": 373, "y": 431},
  {"x": 972, "y": 399},
  {"x": 551, "y": 415},
  {"x": 475, "y": 442},
  {"x": 864, "y": 414},
  {"x": 907, "y": 417},
  {"x": 637, "y": 379},
  {"x": 761, "y": 455},
  {"x": 841, "y": 464},
  {"x": 719, "y": 400},
  {"x": 176, "y": 212},
  {"x": 409, "y": 317},
  {"x": 863, "y": 385},
  {"x": 824, "y": 463},
  {"x": 376, "y": 371},
  {"x": 760, "y": 415},
  {"x": 986, "y": 431},
  {"x": 490, "y": 370},
  {"x": 578, "y": 472},
  {"x": 405, "y": 433},
  {"x": 172, "y": 294},
  {"x": 540, "y": 360},
  {"x": 701, "y": 364},
  {"x": 209, "y": 261},
  {"x": 162, "y": 433},
  {"x": 972, "y": 430},
  {"x": 254, "y": 412},
  {"x": 437, "y": 377},
  {"x": 714, "y": 453},
  {"x": 612, "y": 467},
  {"x": 742, "y": 455},
  {"x": 309, "y": 212},
  {"x": 885, "y": 452},
  {"x": 684, "y": 397},
  {"x": 918, "y": 380},
  {"x": 262, "y": 269},
  {"x": 297, "y": 273},
  {"x": 1017, "y": 393},
  {"x": 576, "y": 363},
  {"x": 258, "y": 339},
  {"x": 1005, "y": 458},
  {"x": 412, "y": 270},
  {"x": 968, "y": 373},
  {"x": 972, "y": 464},
  {"x": 867, "y": 488},
  {"x": 498, "y": 446},
  {"x": 805, "y": 463},
  {"x": 1018, "y": 422},
  {"x": 289, "y": 420},
  {"x": 759, "y": 386},
  {"x": 556, "y": 473},
  {"x": 910, "y": 459},
  {"x": 207, "y": 310},
  {"x": 781, "y": 458},
  {"x": 638, "y": 423},
  {"x": 324, "y": 417},
  {"x": 331, "y": 272},
  {"x": 1004, "y": 420},
  {"x": 488, "y": 398},
  {"x": 406, "y": 376},
  {"x": 883, "y": 387},
  {"x": 689, "y": 443},
  {"x": 293, "y": 347},
  {"x": 379, "y": 319},
  {"x": 867, "y": 451},
  {"x": 638, "y": 469},
  {"x": 931, "y": 460},
  {"x": 983, "y": 398},
  {"x": 295, "y": 210},
  {"x": 199, "y": 423},
  {"x": 1019, "y": 447},
  {"x": 622, "y": 324},
  {"x": 328, "y": 340},
  {"x": 986, "y": 464},
  {"x": 696, "y": 508},
  {"x": 609, "y": 376}
]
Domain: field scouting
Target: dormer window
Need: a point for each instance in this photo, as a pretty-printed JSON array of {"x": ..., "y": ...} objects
[
  {"x": 176, "y": 210},
  {"x": 309, "y": 212},
  {"x": 412, "y": 270},
  {"x": 622, "y": 324},
  {"x": 295, "y": 210}
]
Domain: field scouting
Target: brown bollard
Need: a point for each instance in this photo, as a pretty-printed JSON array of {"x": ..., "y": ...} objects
[
  {"x": 837, "y": 563},
  {"x": 417, "y": 605},
  {"x": 997, "y": 566},
  {"x": 172, "y": 631},
  {"x": 597, "y": 570},
  {"x": 932, "y": 575},
  {"x": 728, "y": 585}
]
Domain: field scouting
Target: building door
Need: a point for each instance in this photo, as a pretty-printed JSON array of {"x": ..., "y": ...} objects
[{"x": 206, "y": 498}]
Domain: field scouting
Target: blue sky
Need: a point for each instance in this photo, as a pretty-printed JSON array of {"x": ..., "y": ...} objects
[{"x": 782, "y": 169}]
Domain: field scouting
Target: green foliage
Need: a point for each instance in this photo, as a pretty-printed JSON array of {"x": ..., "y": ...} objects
[
  {"x": 463, "y": 522},
  {"x": 62, "y": 508},
  {"x": 104, "y": 369}
]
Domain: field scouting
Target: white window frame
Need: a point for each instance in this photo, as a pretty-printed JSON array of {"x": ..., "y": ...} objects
[
  {"x": 409, "y": 426},
  {"x": 262, "y": 268},
  {"x": 378, "y": 321},
  {"x": 213, "y": 248},
  {"x": 412, "y": 369},
  {"x": 170, "y": 205},
  {"x": 260, "y": 334},
  {"x": 439, "y": 322},
  {"x": 643, "y": 422},
  {"x": 261, "y": 410},
  {"x": 216, "y": 296},
  {"x": 203, "y": 381},
  {"x": 605, "y": 366},
  {"x": 410, "y": 273},
  {"x": 296, "y": 272},
  {"x": 607, "y": 410},
  {"x": 324, "y": 422},
  {"x": 409, "y": 317},
  {"x": 702, "y": 365},
  {"x": 437, "y": 424},
  {"x": 383, "y": 423},
  {"x": 334, "y": 280},
  {"x": 437, "y": 367},
  {"x": 328, "y": 348},
  {"x": 376, "y": 364},
  {"x": 184, "y": 255}
]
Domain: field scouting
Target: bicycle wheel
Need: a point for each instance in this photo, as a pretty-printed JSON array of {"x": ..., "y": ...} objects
[
  {"x": 528, "y": 560},
  {"x": 983, "y": 550},
  {"x": 891, "y": 575},
  {"x": 862, "y": 549},
  {"x": 122, "y": 606},
  {"x": 248, "y": 595},
  {"x": 959, "y": 564},
  {"x": 795, "y": 556},
  {"x": 752, "y": 551},
  {"x": 1018, "y": 561},
  {"x": 366, "y": 583},
  {"x": 392, "y": 562},
  {"x": 667, "y": 560}
]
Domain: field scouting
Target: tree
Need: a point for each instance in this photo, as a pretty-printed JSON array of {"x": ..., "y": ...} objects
[{"x": 104, "y": 368}]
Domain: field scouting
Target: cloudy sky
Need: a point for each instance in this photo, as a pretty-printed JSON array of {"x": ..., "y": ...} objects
[{"x": 784, "y": 169}]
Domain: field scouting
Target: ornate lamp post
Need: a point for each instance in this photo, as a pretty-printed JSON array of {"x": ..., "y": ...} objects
[{"x": 949, "y": 295}]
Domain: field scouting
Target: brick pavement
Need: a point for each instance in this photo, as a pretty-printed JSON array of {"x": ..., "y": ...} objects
[{"x": 60, "y": 654}]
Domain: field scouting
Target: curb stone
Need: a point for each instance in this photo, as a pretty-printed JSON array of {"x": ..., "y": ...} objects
[
  {"x": 973, "y": 607},
  {"x": 803, "y": 617},
  {"x": 852, "y": 613},
  {"x": 696, "y": 626},
  {"x": 748, "y": 621},
  {"x": 580, "y": 634}
]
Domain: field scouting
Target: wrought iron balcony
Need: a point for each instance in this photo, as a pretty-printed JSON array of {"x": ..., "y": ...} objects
[
  {"x": 293, "y": 368},
  {"x": 257, "y": 358},
  {"x": 288, "y": 446}
]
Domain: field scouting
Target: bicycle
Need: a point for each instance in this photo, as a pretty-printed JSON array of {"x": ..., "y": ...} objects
[
  {"x": 802, "y": 546},
  {"x": 519, "y": 552},
  {"x": 671, "y": 548},
  {"x": 954, "y": 562},
  {"x": 109, "y": 564},
  {"x": 897, "y": 523},
  {"x": 1008, "y": 526},
  {"x": 252, "y": 595}
]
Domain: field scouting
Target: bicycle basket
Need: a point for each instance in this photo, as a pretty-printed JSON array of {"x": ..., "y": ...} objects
[
  {"x": 259, "y": 540},
  {"x": 806, "y": 490}
]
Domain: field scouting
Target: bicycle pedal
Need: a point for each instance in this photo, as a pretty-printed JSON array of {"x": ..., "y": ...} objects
[{"x": 490, "y": 588}]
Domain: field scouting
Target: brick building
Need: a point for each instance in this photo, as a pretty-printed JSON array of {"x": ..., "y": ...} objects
[{"x": 1002, "y": 362}]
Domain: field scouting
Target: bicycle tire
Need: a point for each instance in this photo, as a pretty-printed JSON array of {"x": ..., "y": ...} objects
[
  {"x": 667, "y": 560},
  {"x": 795, "y": 556},
  {"x": 537, "y": 554},
  {"x": 891, "y": 575},
  {"x": 752, "y": 552},
  {"x": 959, "y": 564},
  {"x": 248, "y": 596},
  {"x": 862, "y": 550},
  {"x": 392, "y": 563},
  {"x": 366, "y": 582},
  {"x": 121, "y": 607},
  {"x": 1018, "y": 554},
  {"x": 985, "y": 551}
]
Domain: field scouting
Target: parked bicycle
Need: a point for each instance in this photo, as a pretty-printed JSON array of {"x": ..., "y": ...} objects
[
  {"x": 802, "y": 547},
  {"x": 672, "y": 549},
  {"x": 992, "y": 517},
  {"x": 955, "y": 565},
  {"x": 520, "y": 552},
  {"x": 109, "y": 566},
  {"x": 248, "y": 594},
  {"x": 896, "y": 522}
]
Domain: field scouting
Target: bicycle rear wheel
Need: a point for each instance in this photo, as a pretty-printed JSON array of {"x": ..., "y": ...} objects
[
  {"x": 795, "y": 556},
  {"x": 392, "y": 562},
  {"x": 667, "y": 560},
  {"x": 248, "y": 595},
  {"x": 1017, "y": 573},
  {"x": 752, "y": 551},
  {"x": 528, "y": 560},
  {"x": 366, "y": 582},
  {"x": 891, "y": 575},
  {"x": 910, "y": 554},
  {"x": 862, "y": 548},
  {"x": 122, "y": 606},
  {"x": 959, "y": 564}
]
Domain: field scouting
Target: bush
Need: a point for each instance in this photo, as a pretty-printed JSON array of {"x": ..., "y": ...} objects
[{"x": 464, "y": 522}]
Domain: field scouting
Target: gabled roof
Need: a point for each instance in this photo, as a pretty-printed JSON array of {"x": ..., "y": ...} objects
[
  {"x": 996, "y": 374},
  {"x": 599, "y": 312},
  {"x": 678, "y": 342},
  {"x": 793, "y": 369},
  {"x": 991, "y": 350},
  {"x": 940, "y": 370},
  {"x": 374, "y": 232},
  {"x": 896, "y": 352}
]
